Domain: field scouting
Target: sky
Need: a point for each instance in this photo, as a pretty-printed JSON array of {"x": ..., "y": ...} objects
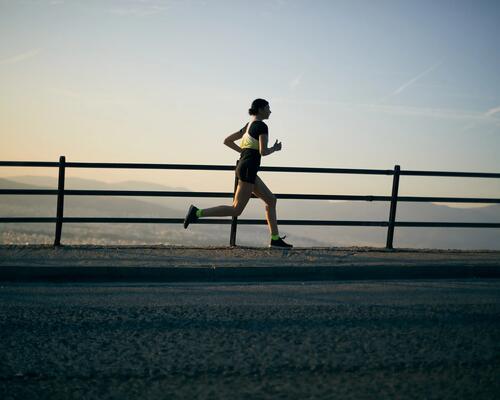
[{"x": 351, "y": 84}]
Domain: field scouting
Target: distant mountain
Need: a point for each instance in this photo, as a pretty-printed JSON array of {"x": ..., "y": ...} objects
[
  {"x": 113, "y": 206},
  {"x": 78, "y": 205},
  {"x": 49, "y": 182},
  {"x": 175, "y": 207}
]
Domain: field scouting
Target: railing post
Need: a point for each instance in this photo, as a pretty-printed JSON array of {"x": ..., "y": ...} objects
[
  {"x": 234, "y": 222},
  {"x": 60, "y": 201},
  {"x": 394, "y": 202}
]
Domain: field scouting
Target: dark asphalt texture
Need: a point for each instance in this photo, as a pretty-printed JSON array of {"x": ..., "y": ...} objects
[{"x": 349, "y": 340}]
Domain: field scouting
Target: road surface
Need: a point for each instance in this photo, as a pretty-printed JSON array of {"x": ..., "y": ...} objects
[{"x": 350, "y": 340}]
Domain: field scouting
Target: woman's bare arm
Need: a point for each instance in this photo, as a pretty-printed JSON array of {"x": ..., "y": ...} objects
[
  {"x": 264, "y": 150},
  {"x": 229, "y": 141}
]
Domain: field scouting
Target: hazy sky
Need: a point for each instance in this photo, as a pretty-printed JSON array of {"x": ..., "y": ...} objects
[{"x": 351, "y": 84}]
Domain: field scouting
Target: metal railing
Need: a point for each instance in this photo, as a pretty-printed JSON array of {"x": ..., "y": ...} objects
[{"x": 390, "y": 224}]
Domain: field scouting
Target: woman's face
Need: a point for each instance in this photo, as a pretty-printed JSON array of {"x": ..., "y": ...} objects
[{"x": 265, "y": 112}]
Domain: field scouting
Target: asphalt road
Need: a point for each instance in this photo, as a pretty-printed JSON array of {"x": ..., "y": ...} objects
[{"x": 348, "y": 340}]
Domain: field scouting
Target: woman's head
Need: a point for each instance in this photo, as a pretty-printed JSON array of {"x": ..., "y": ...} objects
[{"x": 260, "y": 108}]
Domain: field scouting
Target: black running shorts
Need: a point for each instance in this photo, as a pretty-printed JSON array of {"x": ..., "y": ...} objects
[{"x": 247, "y": 169}]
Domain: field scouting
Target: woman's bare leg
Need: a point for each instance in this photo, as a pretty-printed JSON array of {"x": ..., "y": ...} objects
[
  {"x": 243, "y": 194},
  {"x": 272, "y": 221},
  {"x": 262, "y": 191}
]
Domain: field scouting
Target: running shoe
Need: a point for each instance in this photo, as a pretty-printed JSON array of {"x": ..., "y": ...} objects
[
  {"x": 190, "y": 216},
  {"x": 279, "y": 243}
]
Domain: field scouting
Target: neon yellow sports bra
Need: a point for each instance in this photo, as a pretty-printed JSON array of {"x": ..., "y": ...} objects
[{"x": 247, "y": 141}]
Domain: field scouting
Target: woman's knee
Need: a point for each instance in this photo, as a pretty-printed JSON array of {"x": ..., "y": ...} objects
[{"x": 237, "y": 210}]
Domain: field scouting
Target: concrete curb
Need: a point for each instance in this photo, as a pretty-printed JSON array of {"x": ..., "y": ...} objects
[{"x": 239, "y": 274}]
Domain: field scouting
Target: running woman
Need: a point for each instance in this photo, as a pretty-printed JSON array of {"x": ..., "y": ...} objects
[{"x": 254, "y": 137}]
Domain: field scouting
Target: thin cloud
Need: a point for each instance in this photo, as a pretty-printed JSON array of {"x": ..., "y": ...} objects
[
  {"x": 447, "y": 113},
  {"x": 488, "y": 115},
  {"x": 20, "y": 57},
  {"x": 272, "y": 8},
  {"x": 416, "y": 78},
  {"x": 296, "y": 81},
  {"x": 410, "y": 82},
  {"x": 140, "y": 8},
  {"x": 492, "y": 111}
]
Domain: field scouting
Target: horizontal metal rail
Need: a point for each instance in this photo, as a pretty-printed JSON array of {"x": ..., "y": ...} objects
[
  {"x": 289, "y": 196},
  {"x": 231, "y": 168},
  {"x": 249, "y": 221}
]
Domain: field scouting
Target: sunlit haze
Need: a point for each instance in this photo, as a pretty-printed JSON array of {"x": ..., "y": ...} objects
[{"x": 351, "y": 84}]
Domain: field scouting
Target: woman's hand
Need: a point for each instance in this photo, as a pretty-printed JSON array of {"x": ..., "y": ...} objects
[{"x": 277, "y": 145}]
